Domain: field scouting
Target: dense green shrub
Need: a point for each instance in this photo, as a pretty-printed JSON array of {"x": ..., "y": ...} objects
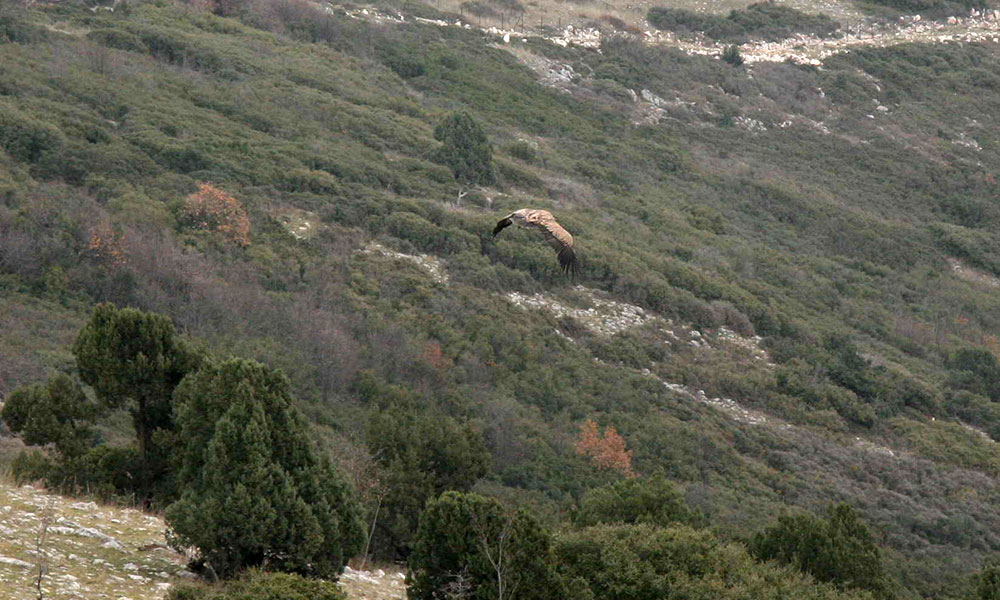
[
  {"x": 975, "y": 370},
  {"x": 25, "y": 138},
  {"x": 58, "y": 413},
  {"x": 643, "y": 562},
  {"x": 465, "y": 149},
  {"x": 107, "y": 472},
  {"x": 116, "y": 38},
  {"x": 650, "y": 499},
  {"x": 523, "y": 150},
  {"x": 29, "y": 466},
  {"x": 839, "y": 549},
  {"x": 405, "y": 62},
  {"x": 988, "y": 581},
  {"x": 732, "y": 55},
  {"x": 473, "y": 545}
]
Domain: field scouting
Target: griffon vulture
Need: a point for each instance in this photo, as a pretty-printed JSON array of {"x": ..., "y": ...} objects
[{"x": 555, "y": 235}]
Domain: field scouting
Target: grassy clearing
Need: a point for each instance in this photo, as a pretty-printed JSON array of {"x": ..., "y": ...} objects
[{"x": 91, "y": 551}]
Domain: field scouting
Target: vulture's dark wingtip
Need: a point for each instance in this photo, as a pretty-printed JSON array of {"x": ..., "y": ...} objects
[
  {"x": 568, "y": 262},
  {"x": 503, "y": 223}
]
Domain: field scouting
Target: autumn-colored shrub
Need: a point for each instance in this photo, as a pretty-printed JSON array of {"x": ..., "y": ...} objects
[
  {"x": 214, "y": 210},
  {"x": 107, "y": 245},
  {"x": 607, "y": 452}
]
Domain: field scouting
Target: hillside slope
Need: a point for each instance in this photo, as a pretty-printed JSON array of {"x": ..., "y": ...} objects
[
  {"x": 788, "y": 292},
  {"x": 92, "y": 551}
]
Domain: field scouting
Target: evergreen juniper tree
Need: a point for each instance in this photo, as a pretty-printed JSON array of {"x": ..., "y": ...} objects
[
  {"x": 255, "y": 491},
  {"x": 465, "y": 150}
]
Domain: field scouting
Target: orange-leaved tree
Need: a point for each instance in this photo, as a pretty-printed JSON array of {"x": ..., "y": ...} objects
[
  {"x": 607, "y": 452},
  {"x": 108, "y": 245},
  {"x": 212, "y": 209}
]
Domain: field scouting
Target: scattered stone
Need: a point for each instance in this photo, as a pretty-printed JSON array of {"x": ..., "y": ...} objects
[
  {"x": 605, "y": 317},
  {"x": 72, "y": 528},
  {"x": 15, "y": 562}
]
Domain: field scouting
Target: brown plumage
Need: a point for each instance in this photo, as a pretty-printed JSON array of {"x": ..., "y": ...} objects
[{"x": 555, "y": 235}]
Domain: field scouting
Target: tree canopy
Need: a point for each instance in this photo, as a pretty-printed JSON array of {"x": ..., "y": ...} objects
[
  {"x": 839, "y": 549},
  {"x": 134, "y": 358},
  {"x": 470, "y": 544},
  {"x": 423, "y": 455},
  {"x": 465, "y": 149},
  {"x": 57, "y": 412}
]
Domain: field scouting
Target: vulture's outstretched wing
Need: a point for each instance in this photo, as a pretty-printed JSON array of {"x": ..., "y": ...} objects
[{"x": 555, "y": 235}]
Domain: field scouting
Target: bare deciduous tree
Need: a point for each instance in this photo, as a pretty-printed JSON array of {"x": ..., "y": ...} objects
[
  {"x": 495, "y": 546},
  {"x": 41, "y": 554}
]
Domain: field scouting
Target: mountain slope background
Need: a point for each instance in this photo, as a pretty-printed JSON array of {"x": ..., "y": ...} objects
[{"x": 789, "y": 292}]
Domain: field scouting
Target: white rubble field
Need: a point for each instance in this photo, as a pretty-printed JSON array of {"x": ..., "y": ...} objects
[
  {"x": 608, "y": 317},
  {"x": 300, "y": 224},
  {"x": 730, "y": 407},
  {"x": 976, "y": 27},
  {"x": 374, "y": 585},
  {"x": 431, "y": 264},
  {"x": 89, "y": 552}
]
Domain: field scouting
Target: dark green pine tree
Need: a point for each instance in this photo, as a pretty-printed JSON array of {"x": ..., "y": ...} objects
[
  {"x": 255, "y": 491},
  {"x": 57, "y": 412},
  {"x": 134, "y": 358},
  {"x": 465, "y": 150}
]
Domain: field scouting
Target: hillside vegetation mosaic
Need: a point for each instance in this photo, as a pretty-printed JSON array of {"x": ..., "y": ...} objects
[{"x": 248, "y": 285}]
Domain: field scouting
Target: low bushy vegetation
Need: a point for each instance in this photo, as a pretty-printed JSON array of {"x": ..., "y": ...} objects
[
  {"x": 766, "y": 21},
  {"x": 260, "y": 585},
  {"x": 644, "y": 562}
]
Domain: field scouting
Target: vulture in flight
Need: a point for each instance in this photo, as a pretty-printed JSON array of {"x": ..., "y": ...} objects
[{"x": 555, "y": 235}]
